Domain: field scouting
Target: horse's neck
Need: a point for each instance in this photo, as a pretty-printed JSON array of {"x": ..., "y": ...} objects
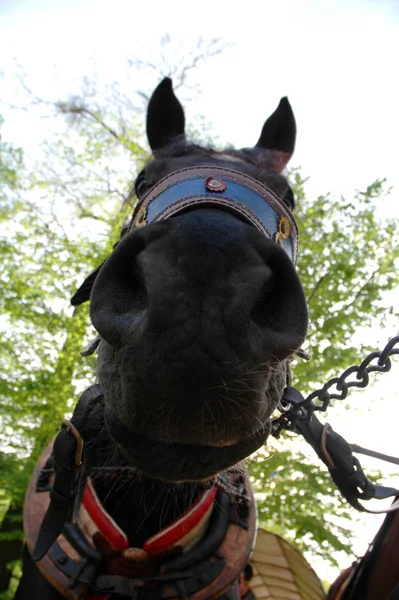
[{"x": 143, "y": 507}]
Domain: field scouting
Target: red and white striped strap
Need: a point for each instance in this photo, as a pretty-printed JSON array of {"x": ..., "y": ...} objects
[{"x": 184, "y": 531}]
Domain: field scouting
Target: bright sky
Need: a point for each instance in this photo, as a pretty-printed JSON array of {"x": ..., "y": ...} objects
[{"x": 337, "y": 62}]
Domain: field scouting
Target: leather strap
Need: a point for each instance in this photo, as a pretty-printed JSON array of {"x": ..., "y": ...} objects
[
  {"x": 374, "y": 454},
  {"x": 225, "y": 189},
  {"x": 67, "y": 468},
  {"x": 337, "y": 455},
  {"x": 61, "y": 494}
]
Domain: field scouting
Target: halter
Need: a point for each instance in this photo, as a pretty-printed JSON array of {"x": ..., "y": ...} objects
[{"x": 226, "y": 189}]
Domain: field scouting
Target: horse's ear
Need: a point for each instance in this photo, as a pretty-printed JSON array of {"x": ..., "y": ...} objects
[
  {"x": 278, "y": 135},
  {"x": 83, "y": 293},
  {"x": 165, "y": 116}
]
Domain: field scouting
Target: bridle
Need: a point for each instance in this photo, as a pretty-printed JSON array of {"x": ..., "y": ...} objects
[{"x": 224, "y": 189}]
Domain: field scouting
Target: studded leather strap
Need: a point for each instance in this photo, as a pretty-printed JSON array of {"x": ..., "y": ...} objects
[{"x": 226, "y": 189}]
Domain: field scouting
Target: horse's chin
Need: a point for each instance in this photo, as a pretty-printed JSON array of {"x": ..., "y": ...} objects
[{"x": 179, "y": 462}]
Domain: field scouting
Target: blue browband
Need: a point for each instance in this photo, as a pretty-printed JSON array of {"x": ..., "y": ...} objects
[{"x": 220, "y": 188}]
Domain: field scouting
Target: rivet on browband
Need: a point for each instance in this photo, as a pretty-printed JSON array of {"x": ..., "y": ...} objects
[
  {"x": 215, "y": 185},
  {"x": 140, "y": 218},
  {"x": 283, "y": 230}
]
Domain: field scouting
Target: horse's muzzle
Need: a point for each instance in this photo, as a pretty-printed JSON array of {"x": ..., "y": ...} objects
[{"x": 174, "y": 462}]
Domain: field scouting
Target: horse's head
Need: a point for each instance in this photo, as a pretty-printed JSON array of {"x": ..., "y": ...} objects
[{"x": 200, "y": 309}]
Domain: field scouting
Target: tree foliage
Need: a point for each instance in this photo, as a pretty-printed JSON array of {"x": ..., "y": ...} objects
[
  {"x": 45, "y": 250},
  {"x": 348, "y": 261},
  {"x": 297, "y": 500}
]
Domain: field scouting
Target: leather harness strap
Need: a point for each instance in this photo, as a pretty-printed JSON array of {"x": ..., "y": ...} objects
[
  {"x": 394, "y": 595},
  {"x": 226, "y": 189},
  {"x": 337, "y": 455},
  {"x": 85, "y": 424}
]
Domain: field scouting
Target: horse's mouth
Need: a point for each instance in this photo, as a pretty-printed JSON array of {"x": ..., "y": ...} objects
[{"x": 179, "y": 462}]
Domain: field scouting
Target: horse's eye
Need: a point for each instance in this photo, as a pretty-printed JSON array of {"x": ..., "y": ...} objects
[
  {"x": 141, "y": 184},
  {"x": 289, "y": 198}
]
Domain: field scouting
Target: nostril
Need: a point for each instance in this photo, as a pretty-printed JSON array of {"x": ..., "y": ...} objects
[
  {"x": 119, "y": 295},
  {"x": 278, "y": 319}
]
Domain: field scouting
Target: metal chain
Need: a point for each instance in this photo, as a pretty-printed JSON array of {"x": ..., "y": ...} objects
[{"x": 337, "y": 388}]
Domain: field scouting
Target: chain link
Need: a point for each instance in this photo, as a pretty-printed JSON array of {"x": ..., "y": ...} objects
[{"x": 337, "y": 388}]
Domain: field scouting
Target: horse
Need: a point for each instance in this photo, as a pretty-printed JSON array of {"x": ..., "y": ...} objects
[
  {"x": 199, "y": 310},
  {"x": 374, "y": 576}
]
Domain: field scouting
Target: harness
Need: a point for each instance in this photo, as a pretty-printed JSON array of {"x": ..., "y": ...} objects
[{"x": 78, "y": 547}]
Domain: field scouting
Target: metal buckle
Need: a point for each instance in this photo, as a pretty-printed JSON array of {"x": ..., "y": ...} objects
[{"x": 79, "y": 443}]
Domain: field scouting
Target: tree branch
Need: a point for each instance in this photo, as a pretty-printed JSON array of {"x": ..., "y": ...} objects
[
  {"x": 81, "y": 110},
  {"x": 316, "y": 287},
  {"x": 361, "y": 290}
]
